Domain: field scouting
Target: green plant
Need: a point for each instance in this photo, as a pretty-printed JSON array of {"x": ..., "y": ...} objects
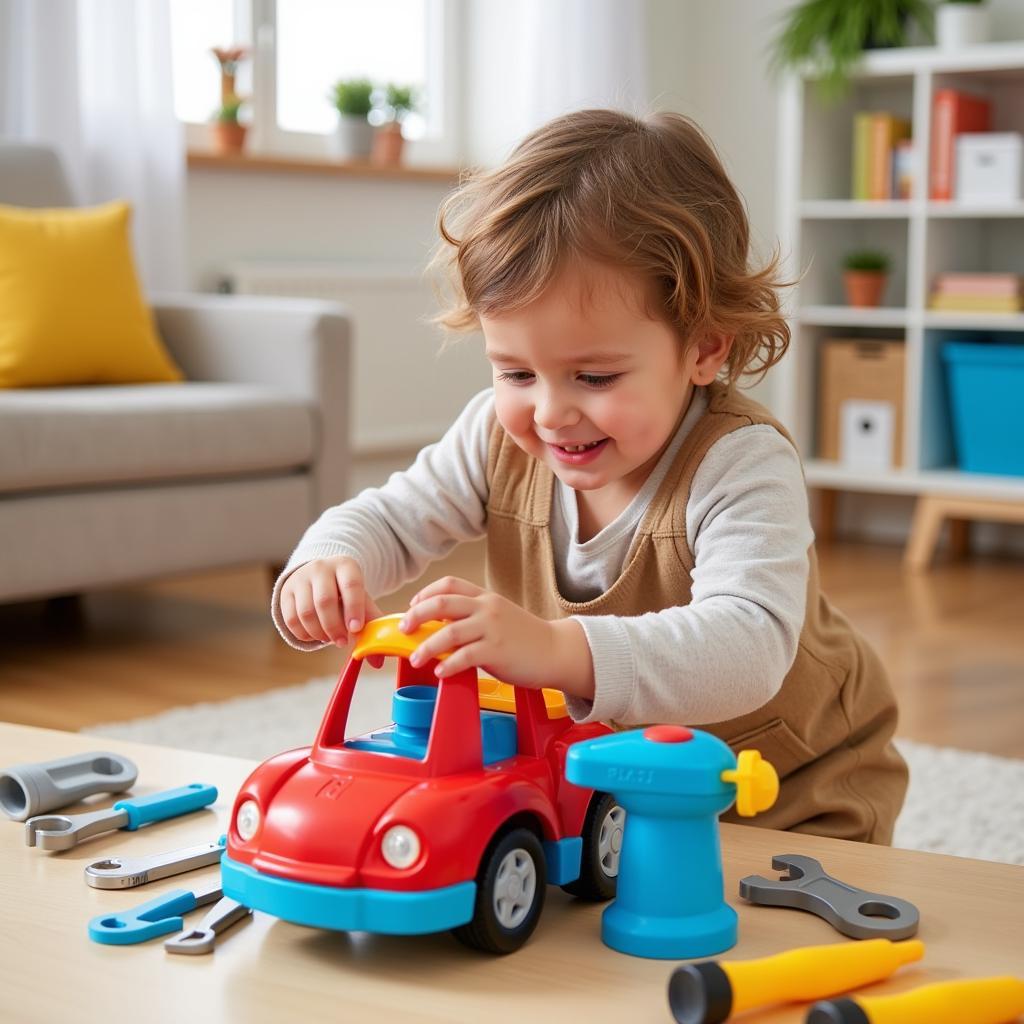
[
  {"x": 352, "y": 96},
  {"x": 399, "y": 100},
  {"x": 228, "y": 110},
  {"x": 828, "y": 36},
  {"x": 869, "y": 260}
]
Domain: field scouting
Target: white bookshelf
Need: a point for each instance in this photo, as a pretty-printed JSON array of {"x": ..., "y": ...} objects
[{"x": 819, "y": 224}]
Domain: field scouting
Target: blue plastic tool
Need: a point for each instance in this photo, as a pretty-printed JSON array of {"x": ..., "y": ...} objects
[
  {"x": 150, "y": 919},
  {"x": 61, "y": 832},
  {"x": 673, "y": 783}
]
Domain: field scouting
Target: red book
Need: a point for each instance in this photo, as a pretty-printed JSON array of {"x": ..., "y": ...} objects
[{"x": 953, "y": 112}]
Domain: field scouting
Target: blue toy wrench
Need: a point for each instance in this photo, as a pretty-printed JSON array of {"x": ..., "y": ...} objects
[
  {"x": 148, "y": 920},
  {"x": 61, "y": 831}
]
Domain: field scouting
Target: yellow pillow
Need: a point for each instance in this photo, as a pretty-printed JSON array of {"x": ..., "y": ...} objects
[{"x": 71, "y": 310}]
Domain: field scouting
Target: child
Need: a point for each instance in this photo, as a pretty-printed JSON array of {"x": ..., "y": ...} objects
[{"x": 649, "y": 550}]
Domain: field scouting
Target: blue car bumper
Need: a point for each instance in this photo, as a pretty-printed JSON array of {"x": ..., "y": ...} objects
[{"x": 372, "y": 910}]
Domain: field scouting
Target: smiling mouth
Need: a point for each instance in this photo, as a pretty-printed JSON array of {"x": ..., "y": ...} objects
[{"x": 574, "y": 449}]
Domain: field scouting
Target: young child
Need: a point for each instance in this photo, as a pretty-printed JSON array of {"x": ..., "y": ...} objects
[{"x": 649, "y": 550}]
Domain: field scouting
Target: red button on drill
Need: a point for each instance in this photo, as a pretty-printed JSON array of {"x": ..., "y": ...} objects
[{"x": 668, "y": 734}]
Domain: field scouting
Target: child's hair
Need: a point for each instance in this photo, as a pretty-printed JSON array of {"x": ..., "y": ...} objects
[{"x": 647, "y": 195}]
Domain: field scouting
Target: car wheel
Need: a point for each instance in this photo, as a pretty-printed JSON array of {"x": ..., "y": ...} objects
[
  {"x": 602, "y": 842},
  {"x": 510, "y": 893}
]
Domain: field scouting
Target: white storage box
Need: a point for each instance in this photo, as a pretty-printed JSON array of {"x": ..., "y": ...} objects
[{"x": 989, "y": 167}]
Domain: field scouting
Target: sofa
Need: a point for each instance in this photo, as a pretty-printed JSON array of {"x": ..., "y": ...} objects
[{"x": 107, "y": 485}]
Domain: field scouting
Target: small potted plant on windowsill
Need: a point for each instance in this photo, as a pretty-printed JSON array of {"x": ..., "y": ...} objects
[
  {"x": 864, "y": 277},
  {"x": 227, "y": 131},
  {"x": 393, "y": 106},
  {"x": 353, "y": 136}
]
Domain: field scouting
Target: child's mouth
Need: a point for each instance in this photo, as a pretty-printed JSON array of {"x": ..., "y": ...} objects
[{"x": 578, "y": 454}]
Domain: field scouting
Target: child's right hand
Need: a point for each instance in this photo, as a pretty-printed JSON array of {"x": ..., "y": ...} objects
[{"x": 325, "y": 601}]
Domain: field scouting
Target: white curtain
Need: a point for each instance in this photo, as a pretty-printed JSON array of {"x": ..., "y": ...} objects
[
  {"x": 93, "y": 78},
  {"x": 531, "y": 60}
]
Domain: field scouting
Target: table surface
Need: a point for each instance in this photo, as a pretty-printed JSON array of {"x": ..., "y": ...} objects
[{"x": 268, "y": 970}]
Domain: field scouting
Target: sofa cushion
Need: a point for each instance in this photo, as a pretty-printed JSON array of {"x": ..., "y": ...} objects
[
  {"x": 70, "y": 437},
  {"x": 71, "y": 310}
]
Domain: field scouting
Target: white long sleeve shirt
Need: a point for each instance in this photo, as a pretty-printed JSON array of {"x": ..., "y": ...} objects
[{"x": 721, "y": 656}]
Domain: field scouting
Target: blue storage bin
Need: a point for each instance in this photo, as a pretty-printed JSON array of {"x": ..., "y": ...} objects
[{"x": 986, "y": 389}]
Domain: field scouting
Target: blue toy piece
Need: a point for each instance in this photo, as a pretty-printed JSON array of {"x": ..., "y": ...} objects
[
  {"x": 159, "y": 916},
  {"x": 412, "y": 709},
  {"x": 168, "y": 803},
  {"x": 673, "y": 783}
]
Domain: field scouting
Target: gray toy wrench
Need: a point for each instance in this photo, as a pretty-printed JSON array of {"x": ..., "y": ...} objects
[{"x": 852, "y": 911}]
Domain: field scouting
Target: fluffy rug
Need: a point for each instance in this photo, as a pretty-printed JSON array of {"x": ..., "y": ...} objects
[{"x": 961, "y": 803}]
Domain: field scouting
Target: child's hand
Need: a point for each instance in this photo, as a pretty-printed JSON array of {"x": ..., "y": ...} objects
[
  {"x": 488, "y": 631},
  {"x": 325, "y": 600}
]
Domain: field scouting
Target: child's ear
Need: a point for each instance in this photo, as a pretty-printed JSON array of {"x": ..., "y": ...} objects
[{"x": 712, "y": 352}]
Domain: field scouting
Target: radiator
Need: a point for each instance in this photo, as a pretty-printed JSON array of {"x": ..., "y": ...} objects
[{"x": 405, "y": 391}]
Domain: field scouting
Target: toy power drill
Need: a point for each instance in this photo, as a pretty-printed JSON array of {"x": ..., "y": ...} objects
[{"x": 673, "y": 783}]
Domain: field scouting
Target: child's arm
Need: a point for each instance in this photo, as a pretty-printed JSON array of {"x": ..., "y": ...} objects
[
  {"x": 720, "y": 656},
  {"x": 386, "y": 536},
  {"x": 726, "y": 652}
]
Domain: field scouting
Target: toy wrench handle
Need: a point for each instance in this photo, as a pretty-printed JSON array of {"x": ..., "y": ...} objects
[
  {"x": 146, "y": 921},
  {"x": 167, "y": 804}
]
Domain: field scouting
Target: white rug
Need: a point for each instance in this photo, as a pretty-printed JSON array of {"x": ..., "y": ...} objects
[{"x": 961, "y": 803}]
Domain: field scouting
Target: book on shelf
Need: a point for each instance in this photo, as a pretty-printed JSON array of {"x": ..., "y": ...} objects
[
  {"x": 978, "y": 293},
  {"x": 961, "y": 283},
  {"x": 882, "y": 156},
  {"x": 904, "y": 169},
  {"x": 953, "y": 112}
]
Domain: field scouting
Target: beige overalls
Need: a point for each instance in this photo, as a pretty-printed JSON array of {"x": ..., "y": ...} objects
[{"x": 828, "y": 730}]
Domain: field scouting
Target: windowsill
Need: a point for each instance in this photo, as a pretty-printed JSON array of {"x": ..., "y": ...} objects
[{"x": 258, "y": 162}]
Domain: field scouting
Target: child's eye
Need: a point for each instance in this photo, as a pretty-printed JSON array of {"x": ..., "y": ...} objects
[
  {"x": 596, "y": 380},
  {"x": 515, "y": 376}
]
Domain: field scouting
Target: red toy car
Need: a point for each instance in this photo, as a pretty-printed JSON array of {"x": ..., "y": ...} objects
[{"x": 456, "y": 816}]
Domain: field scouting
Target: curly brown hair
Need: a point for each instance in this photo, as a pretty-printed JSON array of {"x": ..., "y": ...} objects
[{"x": 644, "y": 195}]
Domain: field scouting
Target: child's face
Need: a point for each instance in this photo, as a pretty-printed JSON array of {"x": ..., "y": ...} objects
[{"x": 586, "y": 382}]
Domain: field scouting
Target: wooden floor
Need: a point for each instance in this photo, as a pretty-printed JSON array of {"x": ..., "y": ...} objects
[{"x": 953, "y": 640}]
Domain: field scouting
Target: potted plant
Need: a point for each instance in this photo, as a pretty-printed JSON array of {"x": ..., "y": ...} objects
[
  {"x": 960, "y": 23},
  {"x": 394, "y": 105},
  {"x": 864, "y": 277},
  {"x": 228, "y": 57},
  {"x": 228, "y": 132},
  {"x": 353, "y": 136},
  {"x": 828, "y": 36}
]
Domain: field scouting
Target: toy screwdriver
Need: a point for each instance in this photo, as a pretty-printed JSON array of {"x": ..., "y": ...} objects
[
  {"x": 978, "y": 1000},
  {"x": 709, "y": 992}
]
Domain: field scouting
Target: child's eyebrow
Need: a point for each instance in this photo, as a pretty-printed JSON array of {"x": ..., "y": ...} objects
[{"x": 589, "y": 359}]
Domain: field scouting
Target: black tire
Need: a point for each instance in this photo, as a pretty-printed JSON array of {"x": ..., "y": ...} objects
[
  {"x": 598, "y": 878},
  {"x": 487, "y": 931}
]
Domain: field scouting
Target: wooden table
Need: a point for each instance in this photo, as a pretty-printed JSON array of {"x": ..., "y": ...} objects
[{"x": 269, "y": 970}]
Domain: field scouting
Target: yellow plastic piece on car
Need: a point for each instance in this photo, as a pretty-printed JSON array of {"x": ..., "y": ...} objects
[
  {"x": 498, "y": 696},
  {"x": 757, "y": 783},
  {"x": 383, "y": 637}
]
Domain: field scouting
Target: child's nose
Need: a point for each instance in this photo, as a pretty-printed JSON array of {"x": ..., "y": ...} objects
[{"x": 552, "y": 411}]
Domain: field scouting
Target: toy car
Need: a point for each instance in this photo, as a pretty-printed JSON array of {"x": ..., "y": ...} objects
[{"x": 456, "y": 816}]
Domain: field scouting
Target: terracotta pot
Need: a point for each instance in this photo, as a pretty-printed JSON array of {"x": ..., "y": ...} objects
[
  {"x": 864, "y": 287},
  {"x": 387, "y": 145},
  {"x": 228, "y": 136}
]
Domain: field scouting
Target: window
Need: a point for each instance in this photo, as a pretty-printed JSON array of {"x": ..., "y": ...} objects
[{"x": 298, "y": 49}]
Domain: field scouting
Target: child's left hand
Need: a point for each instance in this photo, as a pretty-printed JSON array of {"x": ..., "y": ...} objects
[{"x": 488, "y": 631}]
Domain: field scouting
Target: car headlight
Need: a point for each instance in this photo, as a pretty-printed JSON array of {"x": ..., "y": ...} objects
[
  {"x": 400, "y": 846},
  {"x": 247, "y": 821}
]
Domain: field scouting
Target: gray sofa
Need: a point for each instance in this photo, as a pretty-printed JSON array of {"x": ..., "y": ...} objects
[{"x": 108, "y": 485}]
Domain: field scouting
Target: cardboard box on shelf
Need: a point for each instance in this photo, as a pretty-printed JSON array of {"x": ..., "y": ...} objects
[{"x": 860, "y": 402}]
